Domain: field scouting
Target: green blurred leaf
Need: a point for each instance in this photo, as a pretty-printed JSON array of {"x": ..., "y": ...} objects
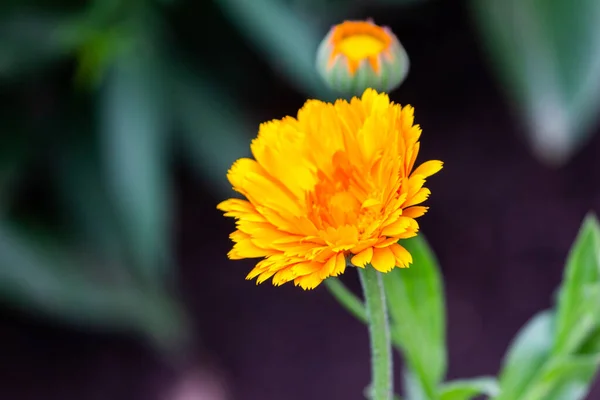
[
  {"x": 591, "y": 344},
  {"x": 526, "y": 356},
  {"x": 394, "y": 2},
  {"x": 83, "y": 192},
  {"x": 58, "y": 282},
  {"x": 30, "y": 40},
  {"x": 14, "y": 155},
  {"x": 466, "y": 389},
  {"x": 416, "y": 307},
  {"x": 578, "y": 311},
  {"x": 565, "y": 379},
  {"x": 413, "y": 386},
  {"x": 346, "y": 298},
  {"x": 214, "y": 132},
  {"x": 288, "y": 40},
  {"x": 543, "y": 364},
  {"x": 135, "y": 122},
  {"x": 97, "y": 54},
  {"x": 546, "y": 54}
]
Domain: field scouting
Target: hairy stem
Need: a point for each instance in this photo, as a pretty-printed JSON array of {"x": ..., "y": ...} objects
[{"x": 379, "y": 333}]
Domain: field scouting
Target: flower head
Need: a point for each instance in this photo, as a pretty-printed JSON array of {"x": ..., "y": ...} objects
[
  {"x": 334, "y": 184},
  {"x": 356, "y": 55}
]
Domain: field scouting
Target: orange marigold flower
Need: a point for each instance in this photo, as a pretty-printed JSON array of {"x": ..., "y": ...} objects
[{"x": 334, "y": 184}]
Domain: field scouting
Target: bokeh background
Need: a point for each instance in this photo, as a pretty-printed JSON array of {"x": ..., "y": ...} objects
[{"x": 120, "y": 118}]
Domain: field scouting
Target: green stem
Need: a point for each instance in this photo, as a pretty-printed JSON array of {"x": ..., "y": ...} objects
[
  {"x": 379, "y": 333},
  {"x": 355, "y": 306}
]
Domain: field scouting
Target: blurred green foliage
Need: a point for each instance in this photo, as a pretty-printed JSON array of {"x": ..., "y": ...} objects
[
  {"x": 555, "y": 356},
  {"x": 418, "y": 315},
  {"x": 546, "y": 54},
  {"x": 86, "y": 209},
  {"x": 86, "y": 188}
]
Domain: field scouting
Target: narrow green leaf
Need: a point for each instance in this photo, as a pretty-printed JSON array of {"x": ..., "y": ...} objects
[
  {"x": 546, "y": 54},
  {"x": 135, "y": 123},
  {"x": 413, "y": 386},
  {"x": 566, "y": 378},
  {"x": 346, "y": 298},
  {"x": 214, "y": 132},
  {"x": 416, "y": 306},
  {"x": 526, "y": 356},
  {"x": 54, "y": 281},
  {"x": 579, "y": 302},
  {"x": 591, "y": 344},
  {"x": 30, "y": 41},
  {"x": 288, "y": 40},
  {"x": 82, "y": 190},
  {"x": 15, "y": 152},
  {"x": 400, "y": 3},
  {"x": 97, "y": 54},
  {"x": 466, "y": 389}
]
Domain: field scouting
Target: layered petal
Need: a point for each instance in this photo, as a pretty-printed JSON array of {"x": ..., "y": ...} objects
[{"x": 332, "y": 187}]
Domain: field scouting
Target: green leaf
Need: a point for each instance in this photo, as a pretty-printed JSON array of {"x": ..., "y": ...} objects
[
  {"x": 135, "y": 123},
  {"x": 97, "y": 54},
  {"x": 30, "y": 41},
  {"x": 566, "y": 378},
  {"x": 346, "y": 298},
  {"x": 214, "y": 133},
  {"x": 591, "y": 344},
  {"x": 52, "y": 280},
  {"x": 416, "y": 307},
  {"x": 526, "y": 357},
  {"x": 578, "y": 311},
  {"x": 15, "y": 152},
  {"x": 284, "y": 37},
  {"x": 466, "y": 389},
  {"x": 546, "y": 54},
  {"x": 413, "y": 386},
  {"x": 401, "y": 3},
  {"x": 82, "y": 190}
]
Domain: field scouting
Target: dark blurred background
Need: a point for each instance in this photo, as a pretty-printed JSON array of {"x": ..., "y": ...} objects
[{"x": 118, "y": 122}]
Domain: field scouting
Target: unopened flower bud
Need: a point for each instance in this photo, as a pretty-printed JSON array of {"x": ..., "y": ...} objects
[{"x": 356, "y": 55}]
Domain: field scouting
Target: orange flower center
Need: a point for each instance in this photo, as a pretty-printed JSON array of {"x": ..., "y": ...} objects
[{"x": 339, "y": 199}]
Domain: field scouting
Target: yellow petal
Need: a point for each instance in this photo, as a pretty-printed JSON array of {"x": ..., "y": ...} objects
[
  {"x": 402, "y": 257},
  {"x": 383, "y": 259},
  {"x": 396, "y": 228},
  {"x": 306, "y": 268},
  {"x": 363, "y": 245},
  {"x": 420, "y": 197},
  {"x": 428, "y": 168},
  {"x": 308, "y": 282},
  {"x": 264, "y": 276},
  {"x": 283, "y": 276},
  {"x": 370, "y": 202},
  {"x": 255, "y": 272},
  {"x": 386, "y": 242},
  {"x": 331, "y": 185},
  {"x": 363, "y": 258},
  {"x": 328, "y": 268},
  {"x": 247, "y": 249},
  {"x": 415, "y": 212},
  {"x": 340, "y": 264},
  {"x": 407, "y": 235}
]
